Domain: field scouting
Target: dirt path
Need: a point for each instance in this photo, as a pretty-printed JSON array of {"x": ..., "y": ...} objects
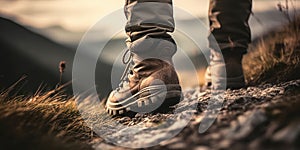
[{"x": 262, "y": 117}]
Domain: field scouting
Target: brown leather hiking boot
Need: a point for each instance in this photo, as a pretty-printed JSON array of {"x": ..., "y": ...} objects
[
  {"x": 151, "y": 85},
  {"x": 226, "y": 69}
]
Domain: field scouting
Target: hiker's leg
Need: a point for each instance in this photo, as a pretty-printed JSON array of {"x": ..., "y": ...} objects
[
  {"x": 153, "y": 81},
  {"x": 229, "y": 24},
  {"x": 148, "y": 24},
  {"x": 231, "y": 33}
]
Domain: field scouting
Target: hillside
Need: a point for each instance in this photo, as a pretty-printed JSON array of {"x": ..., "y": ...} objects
[{"x": 24, "y": 52}]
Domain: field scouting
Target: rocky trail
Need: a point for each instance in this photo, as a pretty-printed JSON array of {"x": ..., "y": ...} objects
[{"x": 260, "y": 117}]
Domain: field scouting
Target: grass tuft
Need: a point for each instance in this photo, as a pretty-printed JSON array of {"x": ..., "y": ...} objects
[
  {"x": 276, "y": 57},
  {"x": 45, "y": 120}
]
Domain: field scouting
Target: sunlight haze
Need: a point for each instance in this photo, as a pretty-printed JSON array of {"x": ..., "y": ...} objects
[{"x": 80, "y": 14}]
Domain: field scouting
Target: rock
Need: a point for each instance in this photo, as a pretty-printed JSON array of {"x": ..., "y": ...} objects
[
  {"x": 103, "y": 146},
  {"x": 289, "y": 134},
  {"x": 242, "y": 119},
  {"x": 201, "y": 148},
  {"x": 171, "y": 141},
  {"x": 215, "y": 136},
  {"x": 224, "y": 144},
  {"x": 124, "y": 120},
  {"x": 246, "y": 126},
  {"x": 179, "y": 145},
  {"x": 245, "y": 120}
]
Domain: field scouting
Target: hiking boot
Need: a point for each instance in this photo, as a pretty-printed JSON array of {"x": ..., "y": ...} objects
[
  {"x": 226, "y": 70},
  {"x": 149, "y": 85}
]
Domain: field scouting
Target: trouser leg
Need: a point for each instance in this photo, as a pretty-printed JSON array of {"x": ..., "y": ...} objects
[
  {"x": 150, "y": 84},
  {"x": 231, "y": 34},
  {"x": 149, "y": 23},
  {"x": 229, "y": 24}
]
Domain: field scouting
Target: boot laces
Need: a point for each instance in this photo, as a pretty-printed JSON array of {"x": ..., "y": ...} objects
[{"x": 128, "y": 62}]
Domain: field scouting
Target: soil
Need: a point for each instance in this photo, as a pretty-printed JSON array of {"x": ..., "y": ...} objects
[{"x": 260, "y": 117}]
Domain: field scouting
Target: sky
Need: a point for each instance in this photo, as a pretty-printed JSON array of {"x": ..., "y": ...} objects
[
  {"x": 75, "y": 14},
  {"x": 78, "y": 15},
  {"x": 66, "y": 21}
]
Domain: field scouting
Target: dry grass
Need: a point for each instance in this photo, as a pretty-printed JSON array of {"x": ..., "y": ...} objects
[
  {"x": 46, "y": 117},
  {"x": 276, "y": 57}
]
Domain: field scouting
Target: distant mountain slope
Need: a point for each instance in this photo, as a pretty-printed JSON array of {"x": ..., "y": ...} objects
[{"x": 24, "y": 52}]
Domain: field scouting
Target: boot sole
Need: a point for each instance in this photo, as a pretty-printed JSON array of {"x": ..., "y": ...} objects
[{"x": 157, "y": 98}]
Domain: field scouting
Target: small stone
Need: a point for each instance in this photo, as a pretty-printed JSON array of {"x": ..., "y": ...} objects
[
  {"x": 247, "y": 125},
  {"x": 233, "y": 124},
  {"x": 276, "y": 112},
  {"x": 171, "y": 141},
  {"x": 124, "y": 120},
  {"x": 242, "y": 119},
  {"x": 104, "y": 146},
  {"x": 180, "y": 145},
  {"x": 224, "y": 144},
  {"x": 156, "y": 120},
  {"x": 288, "y": 134},
  {"x": 215, "y": 136},
  {"x": 201, "y": 148},
  {"x": 281, "y": 92}
]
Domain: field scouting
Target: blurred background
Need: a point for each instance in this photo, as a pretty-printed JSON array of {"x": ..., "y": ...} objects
[{"x": 35, "y": 35}]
